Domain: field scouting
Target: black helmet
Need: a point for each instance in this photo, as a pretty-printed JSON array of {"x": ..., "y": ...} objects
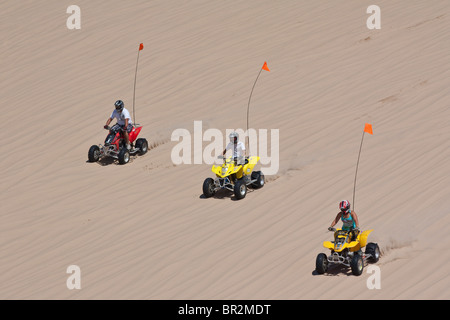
[{"x": 119, "y": 105}]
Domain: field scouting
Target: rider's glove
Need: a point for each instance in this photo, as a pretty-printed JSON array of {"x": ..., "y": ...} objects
[
  {"x": 106, "y": 127},
  {"x": 330, "y": 229}
]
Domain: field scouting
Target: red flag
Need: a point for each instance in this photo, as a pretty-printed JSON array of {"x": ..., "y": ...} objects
[
  {"x": 141, "y": 46},
  {"x": 368, "y": 128},
  {"x": 265, "y": 67}
]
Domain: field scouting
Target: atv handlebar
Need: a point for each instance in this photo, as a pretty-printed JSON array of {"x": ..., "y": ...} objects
[
  {"x": 109, "y": 128},
  {"x": 334, "y": 229},
  {"x": 230, "y": 159}
]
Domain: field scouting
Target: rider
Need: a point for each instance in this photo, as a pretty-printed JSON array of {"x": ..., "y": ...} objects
[
  {"x": 349, "y": 219},
  {"x": 123, "y": 120},
  {"x": 237, "y": 146}
]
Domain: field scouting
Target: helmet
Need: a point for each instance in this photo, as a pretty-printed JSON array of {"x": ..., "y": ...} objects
[
  {"x": 234, "y": 137},
  {"x": 344, "y": 205},
  {"x": 119, "y": 105}
]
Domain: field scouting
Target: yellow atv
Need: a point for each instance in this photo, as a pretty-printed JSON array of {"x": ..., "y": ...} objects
[
  {"x": 234, "y": 175},
  {"x": 348, "y": 252}
]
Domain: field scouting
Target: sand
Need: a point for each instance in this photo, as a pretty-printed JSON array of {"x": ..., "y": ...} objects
[{"x": 143, "y": 230}]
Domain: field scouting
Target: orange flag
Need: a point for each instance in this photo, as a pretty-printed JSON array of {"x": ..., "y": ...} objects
[
  {"x": 141, "y": 46},
  {"x": 368, "y": 128},
  {"x": 265, "y": 67}
]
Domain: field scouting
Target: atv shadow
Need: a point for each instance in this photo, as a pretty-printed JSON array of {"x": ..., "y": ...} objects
[
  {"x": 335, "y": 270},
  {"x": 220, "y": 194},
  {"x": 224, "y": 193},
  {"x": 106, "y": 161}
]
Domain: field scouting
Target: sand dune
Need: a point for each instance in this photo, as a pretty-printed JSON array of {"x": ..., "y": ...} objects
[{"x": 143, "y": 231}]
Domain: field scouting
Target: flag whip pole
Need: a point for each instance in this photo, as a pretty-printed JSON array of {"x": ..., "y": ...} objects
[
  {"x": 264, "y": 67},
  {"x": 368, "y": 129},
  {"x": 141, "y": 46}
]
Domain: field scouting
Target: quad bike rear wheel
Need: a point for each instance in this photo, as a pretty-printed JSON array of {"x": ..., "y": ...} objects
[
  {"x": 321, "y": 263},
  {"x": 124, "y": 156},
  {"x": 374, "y": 251},
  {"x": 142, "y": 145},
  {"x": 94, "y": 154},
  {"x": 240, "y": 189},
  {"x": 357, "y": 264},
  {"x": 259, "y": 176},
  {"x": 208, "y": 188}
]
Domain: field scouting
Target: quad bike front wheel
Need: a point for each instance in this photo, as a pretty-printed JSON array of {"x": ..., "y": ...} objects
[
  {"x": 259, "y": 176},
  {"x": 374, "y": 251},
  {"x": 240, "y": 189},
  {"x": 321, "y": 263},
  {"x": 94, "y": 153},
  {"x": 208, "y": 188},
  {"x": 357, "y": 264},
  {"x": 124, "y": 156}
]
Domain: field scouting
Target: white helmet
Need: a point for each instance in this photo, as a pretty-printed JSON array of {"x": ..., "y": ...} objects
[{"x": 234, "y": 137}]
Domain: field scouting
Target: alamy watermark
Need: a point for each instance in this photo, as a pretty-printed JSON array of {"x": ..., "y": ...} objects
[
  {"x": 374, "y": 281},
  {"x": 374, "y": 21},
  {"x": 189, "y": 149},
  {"x": 74, "y": 20},
  {"x": 74, "y": 280}
]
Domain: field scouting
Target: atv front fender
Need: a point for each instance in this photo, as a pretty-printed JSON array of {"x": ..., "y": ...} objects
[
  {"x": 217, "y": 170},
  {"x": 328, "y": 245}
]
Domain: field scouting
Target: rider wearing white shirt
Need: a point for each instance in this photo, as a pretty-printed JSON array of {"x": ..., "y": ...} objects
[
  {"x": 122, "y": 117},
  {"x": 123, "y": 120},
  {"x": 237, "y": 146}
]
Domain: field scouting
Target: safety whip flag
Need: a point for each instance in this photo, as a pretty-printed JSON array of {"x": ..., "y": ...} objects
[
  {"x": 368, "y": 129},
  {"x": 266, "y": 68},
  {"x": 141, "y": 47}
]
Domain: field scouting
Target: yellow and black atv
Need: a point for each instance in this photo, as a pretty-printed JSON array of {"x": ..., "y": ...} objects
[
  {"x": 348, "y": 252},
  {"x": 234, "y": 175}
]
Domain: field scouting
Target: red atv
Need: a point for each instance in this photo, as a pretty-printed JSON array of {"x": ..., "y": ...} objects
[{"x": 115, "y": 146}]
